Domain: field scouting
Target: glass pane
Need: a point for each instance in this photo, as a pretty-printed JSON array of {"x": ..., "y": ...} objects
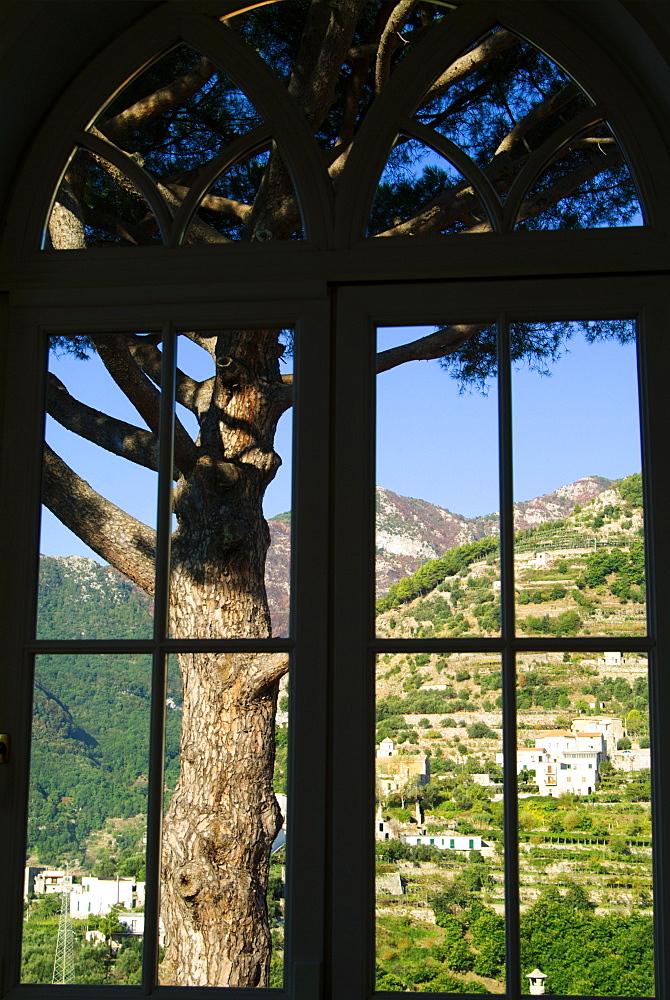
[
  {"x": 177, "y": 115},
  {"x": 97, "y": 205},
  {"x": 228, "y": 578},
  {"x": 222, "y": 891},
  {"x": 580, "y": 544},
  {"x": 85, "y": 856},
  {"x": 286, "y": 32},
  {"x": 437, "y": 570},
  {"x": 420, "y": 192},
  {"x": 588, "y": 185},
  {"x": 583, "y": 763},
  {"x": 438, "y": 827},
  {"x": 99, "y": 490},
  {"x": 239, "y": 206},
  {"x": 501, "y": 101}
]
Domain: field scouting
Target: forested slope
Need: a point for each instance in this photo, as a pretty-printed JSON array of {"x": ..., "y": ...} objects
[{"x": 90, "y": 746}]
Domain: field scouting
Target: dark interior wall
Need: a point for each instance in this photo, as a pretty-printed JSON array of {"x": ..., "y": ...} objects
[{"x": 43, "y": 45}]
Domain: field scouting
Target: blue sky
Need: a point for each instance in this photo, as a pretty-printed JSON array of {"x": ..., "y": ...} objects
[
  {"x": 433, "y": 442},
  {"x": 437, "y": 444}
]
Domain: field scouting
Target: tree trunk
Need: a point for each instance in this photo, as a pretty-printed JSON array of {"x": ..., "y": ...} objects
[
  {"x": 219, "y": 829},
  {"x": 223, "y": 816}
]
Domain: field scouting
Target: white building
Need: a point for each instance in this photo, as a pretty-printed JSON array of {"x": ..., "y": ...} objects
[
  {"x": 611, "y": 659},
  {"x": 387, "y": 748},
  {"x": 99, "y": 895},
  {"x": 563, "y": 761},
  {"x": 383, "y": 829},
  {"x": 574, "y": 771},
  {"x": 612, "y": 729},
  {"x": 48, "y": 881},
  {"x": 446, "y": 842}
]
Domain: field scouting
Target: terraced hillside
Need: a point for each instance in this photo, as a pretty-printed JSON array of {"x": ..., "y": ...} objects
[{"x": 589, "y": 856}]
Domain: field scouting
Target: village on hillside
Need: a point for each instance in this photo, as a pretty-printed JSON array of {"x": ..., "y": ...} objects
[{"x": 561, "y": 762}]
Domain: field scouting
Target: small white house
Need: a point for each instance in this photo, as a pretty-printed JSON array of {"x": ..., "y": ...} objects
[
  {"x": 99, "y": 895},
  {"x": 49, "y": 881},
  {"x": 611, "y": 728},
  {"x": 611, "y": 659},
  {"x": 387, "y": 748},
  {"x": 444, "y": 842}
]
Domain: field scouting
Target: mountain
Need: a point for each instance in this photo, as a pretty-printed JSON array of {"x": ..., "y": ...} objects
[
  {"x": 593, "y": 558},
  {"x": 90, "y": 745},
  {"x": 79, "y": 598},
  {"x": 91, "y": 711},
  {"x": 411, "y": 531},
  {"x": 408, "y": 532}
]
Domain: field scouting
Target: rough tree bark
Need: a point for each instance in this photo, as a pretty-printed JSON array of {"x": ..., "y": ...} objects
[{"x": 223, "y": 816}]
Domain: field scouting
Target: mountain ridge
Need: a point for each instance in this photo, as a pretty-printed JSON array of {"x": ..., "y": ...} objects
[{"x": 410, "y": 531}]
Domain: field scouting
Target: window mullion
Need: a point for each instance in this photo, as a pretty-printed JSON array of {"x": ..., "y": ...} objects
[
  {"x": 159, "y": 659},
  {"x": 510, "y": 822},
  {"x": 653, "y": 342},
  {"x": 351, "y": 916}
]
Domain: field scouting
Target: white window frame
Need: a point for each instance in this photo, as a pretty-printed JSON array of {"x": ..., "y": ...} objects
[
  {"x": 360, "y": 311},
  {"x": 334, "y": 288}
]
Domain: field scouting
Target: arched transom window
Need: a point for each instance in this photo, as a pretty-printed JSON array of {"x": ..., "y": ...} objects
[{"x": 342, "y": 645}]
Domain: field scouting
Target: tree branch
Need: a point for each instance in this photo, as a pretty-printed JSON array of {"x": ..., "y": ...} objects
[
  {"x": 112, "y": 170},
  {"x": 126, "y": 543},
  {"x": 390, "y": 41},
  {"x": 136, "y": 235},
  {"x": 114, "y": 435},
  {"x": 227, "y": 206},
  {"x": 601, "y": 159},
  {"x": 162, "y": 100},
  {"x": 461, "y": 68},
  {"x": 352, "y": 97},
  {"x": 189, "y": 392},
  {"x": 114, "y": 353},
  {"x": 440, "y": 344},
  {"x": 323, "y": 48},
  {"x": 198, "y": 231},
  {"x": 457, "y": 204},
  {"x": 545, "y": 109},
  {"x": 266, "y": 671},
  {"x": 603, "y": 154},
  {"x": 207, "y": 341},
  {"x": 460, "y": 203}
]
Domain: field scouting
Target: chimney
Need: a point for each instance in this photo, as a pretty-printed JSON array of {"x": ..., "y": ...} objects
[{"x": 537, "y": 979}]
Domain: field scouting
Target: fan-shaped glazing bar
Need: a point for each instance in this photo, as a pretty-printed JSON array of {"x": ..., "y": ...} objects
[
  {"x": 542, "y": 157},
  {"x": 468, "y": 168},
  {"x": 256, "y": 141},
  {"x": 443, "y": 43},
  {"x": 142, "y": 180},
  {"x": 300, "y": 152}
]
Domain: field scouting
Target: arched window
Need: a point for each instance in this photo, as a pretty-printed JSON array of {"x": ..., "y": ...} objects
[{"x": 238, "y": 213}]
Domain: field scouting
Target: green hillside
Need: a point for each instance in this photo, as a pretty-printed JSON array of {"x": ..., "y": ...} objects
[
  {"x": 91, "y": 713},
  {"x": 578, "y": 576},
  {"x": 585, "y": 875},
  {"x": 90, "y": 745}
]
